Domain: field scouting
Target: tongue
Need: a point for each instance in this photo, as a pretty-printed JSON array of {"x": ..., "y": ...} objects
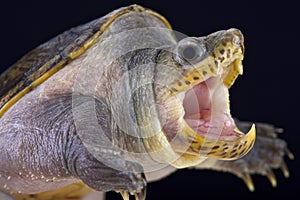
[{"x": 221, "y": 125}]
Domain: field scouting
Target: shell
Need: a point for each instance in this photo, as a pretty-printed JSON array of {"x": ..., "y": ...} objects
[{"x": 45, "y": 60}]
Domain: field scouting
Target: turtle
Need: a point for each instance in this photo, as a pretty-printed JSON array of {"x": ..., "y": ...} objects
[{"x": 124, "y": 100}]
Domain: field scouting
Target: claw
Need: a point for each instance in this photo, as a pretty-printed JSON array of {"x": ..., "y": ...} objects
[
  {"x": 138, "y": 196},
  {"x": 289, "y": 154},
  {"x": 279, "y": 130},
  {"x": 141, "y": 195},
  {"x": 271, "y": 177},
  {"x": 284, "y": 169},
  {"x": 248, "y": 180},
  {"x": 125, "y": 195}
]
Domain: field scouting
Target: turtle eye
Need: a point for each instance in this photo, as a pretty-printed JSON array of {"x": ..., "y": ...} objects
[{"x": 189, "y": 51}]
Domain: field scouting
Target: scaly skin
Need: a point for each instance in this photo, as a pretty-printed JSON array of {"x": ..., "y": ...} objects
[{"x": 114, "y": 111}]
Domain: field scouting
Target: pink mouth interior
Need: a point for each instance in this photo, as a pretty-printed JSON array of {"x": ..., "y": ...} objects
[{"x": 199, "y": 113}]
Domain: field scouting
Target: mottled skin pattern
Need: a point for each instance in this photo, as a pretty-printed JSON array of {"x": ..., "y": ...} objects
[{"x": 43, "y": 151}]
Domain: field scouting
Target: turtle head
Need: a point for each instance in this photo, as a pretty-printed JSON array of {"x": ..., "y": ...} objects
[
  {"x": 194, "y": 100},
  {"x": 171, "y": 96}
]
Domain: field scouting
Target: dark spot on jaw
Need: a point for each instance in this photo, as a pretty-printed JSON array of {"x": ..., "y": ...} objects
[
  {"x": 204, "y": 72},
  {"x": 179, "y": 83},
  {"x": 211, "y": 152},
  {"x": 216, "y": 64},
  {"x": 225, "y": 148},
  {"x": 241, "y": 153},
  {"x": 251, "y": 144},
  {"x": 235, "y": 146},
  {"x": 187, "y": 82},
  {"x": 216, "y": 147},
  {"x": 223, "y": 154},
  {"x": 221, "y": 59},
  {"x": 235, "y": 51},
  {"x": 196, "y": 78},
  {"x": 211, "y": 68},
  {"x": 233, "y": 151},
  {"x": 214, "y": 55},
  {"x": 174, "y": 90},
  {"x": 194, "y": 150},
  {"x": 248, "y": 147},
  {"x": 224, "y": 43},
  {"x": 190, "y": 139},
  {"x": 194, "y": 141},
  {"x": 222, "y": 51},
  {"x": 224, "y": 145},
  {"x": 233, "y": 155},
  {"x": 228, "y": 53},
  {"x": 240, "y": 146}
]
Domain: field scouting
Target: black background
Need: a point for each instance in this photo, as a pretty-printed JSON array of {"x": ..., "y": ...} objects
[{"x": 267, "y": 92}]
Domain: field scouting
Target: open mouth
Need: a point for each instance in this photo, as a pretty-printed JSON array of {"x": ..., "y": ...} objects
[
  {"x": 208, "y": 127},
  {"x": 206, "y": 107},
  {"x": 194, "y": 108}
]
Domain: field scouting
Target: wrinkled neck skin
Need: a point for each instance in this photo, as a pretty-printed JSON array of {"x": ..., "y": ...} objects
[
  {"x": 129, "y": 87},
  {"x": 125, "y": 79},
  {"x": 137, "y": 114}
]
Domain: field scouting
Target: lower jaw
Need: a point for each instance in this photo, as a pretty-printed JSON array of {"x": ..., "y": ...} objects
[{"x": 219, "y": 146}]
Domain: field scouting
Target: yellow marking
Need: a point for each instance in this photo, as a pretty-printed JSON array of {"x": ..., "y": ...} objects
[
  {"x": 86, "y": 46},
  {"x": 163, "y": 19},
  {"x": 33, "y": 85},
  {"x": 232, "y": 71},
  {"x": 188, "y": 81}
]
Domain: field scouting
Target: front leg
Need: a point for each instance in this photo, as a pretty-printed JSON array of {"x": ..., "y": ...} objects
[
  {"x": 103, "y": 178},
  {"x": 43, "y": 152},
  {"x": 97, "y": 161},
  {"x": 267, "y": 154}
]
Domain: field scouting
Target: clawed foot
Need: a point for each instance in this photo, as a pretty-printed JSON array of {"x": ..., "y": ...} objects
[
  {"x": 267, "y": 154},
  {"x": 139, "y": 192},
  {"x": 138, "y": 196}
]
